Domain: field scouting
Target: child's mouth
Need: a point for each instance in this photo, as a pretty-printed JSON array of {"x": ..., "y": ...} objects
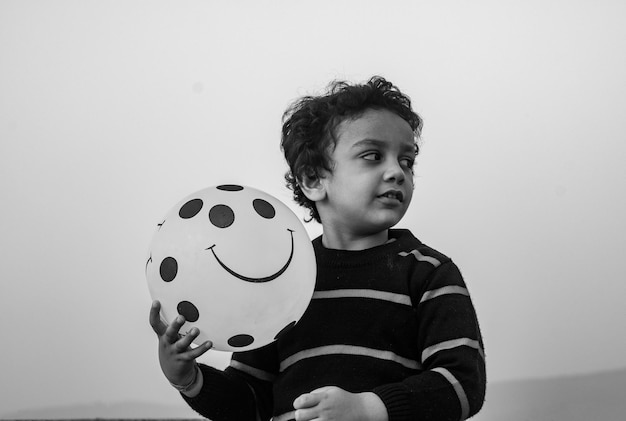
[{"x": 393, "y": 194}]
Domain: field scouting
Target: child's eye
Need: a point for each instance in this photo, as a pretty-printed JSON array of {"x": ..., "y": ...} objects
[
  {"x": 407, "y": 163},
  {"x": 371, "y": 156}
]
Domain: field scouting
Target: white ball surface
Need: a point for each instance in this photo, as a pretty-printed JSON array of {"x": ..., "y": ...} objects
[{"x": 236, "y": 262}]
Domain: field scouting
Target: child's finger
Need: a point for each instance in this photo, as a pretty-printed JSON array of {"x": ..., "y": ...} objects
[
  {"x": 155, "y": 319},
  {"x": 307, "y": 414},
  {"x": 307, "y": 400},
  {"x": 185, "y": 341},
  {"x": 200, "y": 349},
  {"x": 171, "y": 333},
  {"x": 184, "y": 344}
]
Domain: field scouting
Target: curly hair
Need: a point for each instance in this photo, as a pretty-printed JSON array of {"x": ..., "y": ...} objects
[{"x": 308, "y": 133}]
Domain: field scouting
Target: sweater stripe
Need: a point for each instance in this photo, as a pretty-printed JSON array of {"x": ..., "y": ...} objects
[
  {"x": 420, "y": 257},
  {"x": 254, "y": 372},
  {"x": 453, "y": 343},
  {"x": 364, "y": 293},
  {"x": 348, "y": 350},
  {"x": 452, "y": 289},
  {"x": 465, "y": 408}
]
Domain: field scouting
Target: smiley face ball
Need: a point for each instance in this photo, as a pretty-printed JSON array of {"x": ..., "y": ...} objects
[{"x": 236, "y": 263}]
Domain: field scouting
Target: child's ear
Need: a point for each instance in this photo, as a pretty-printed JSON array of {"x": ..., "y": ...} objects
[{"x": 312, "y": 187}]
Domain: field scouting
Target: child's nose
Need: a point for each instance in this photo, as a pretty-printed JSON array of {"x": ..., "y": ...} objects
[{"x": 394, "y": 172}]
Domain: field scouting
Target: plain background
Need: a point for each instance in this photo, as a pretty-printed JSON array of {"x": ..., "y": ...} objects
[{"x": 112, "y": 111}]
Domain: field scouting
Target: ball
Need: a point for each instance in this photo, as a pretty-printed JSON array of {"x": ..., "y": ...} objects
[{"x": 236, "y": 263}]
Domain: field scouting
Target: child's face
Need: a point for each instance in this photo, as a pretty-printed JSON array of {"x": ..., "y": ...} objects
[{"x": 371, "y": 184}]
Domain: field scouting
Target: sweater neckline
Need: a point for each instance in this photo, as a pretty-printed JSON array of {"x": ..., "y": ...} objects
[{"x": 371, "y": 256}]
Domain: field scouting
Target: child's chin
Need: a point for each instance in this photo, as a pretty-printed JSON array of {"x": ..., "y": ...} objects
[
  {"x": 387, "y": 223},
  {"x": 393, "y": 216}
]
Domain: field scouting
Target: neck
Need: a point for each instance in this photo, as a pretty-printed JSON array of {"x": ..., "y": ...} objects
[{"x": 344, "y": 241}]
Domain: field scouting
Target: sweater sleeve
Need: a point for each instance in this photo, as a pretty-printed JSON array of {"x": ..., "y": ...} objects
[
  {"x": 242, "y": 392},
  {"x": 451, "y": 383}
]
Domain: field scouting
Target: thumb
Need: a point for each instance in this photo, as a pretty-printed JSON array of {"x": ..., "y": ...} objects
[{"x": 308, "y": 400}]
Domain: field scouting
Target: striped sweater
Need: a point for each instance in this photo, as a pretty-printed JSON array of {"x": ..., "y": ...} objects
[{"x": 396, "y": 320}]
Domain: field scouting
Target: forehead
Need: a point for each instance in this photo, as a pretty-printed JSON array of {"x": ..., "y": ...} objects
[{"x": 375, "y": 126}]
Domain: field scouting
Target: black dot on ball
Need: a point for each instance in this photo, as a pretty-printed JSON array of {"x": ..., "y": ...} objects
[
  {"x": 239, "y": 341},
  {"x": 229, "y": 187},
  {"x": 285, "y": 330},
  {"x": 264, "y": 208},
  {"x": 221, "y": 216},
  {"x": 168, "y": 269},
  {"x": 190, "y": 209},
  {"x": 188, "y": 311}
]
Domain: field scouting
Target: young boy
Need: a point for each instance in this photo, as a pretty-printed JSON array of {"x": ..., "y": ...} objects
[{"x": 391, "y": 332}]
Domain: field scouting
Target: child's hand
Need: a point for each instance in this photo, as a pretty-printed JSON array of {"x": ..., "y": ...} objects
[
  {"x": 331, "y": 403},
  {"x": 176, "y": 357}
]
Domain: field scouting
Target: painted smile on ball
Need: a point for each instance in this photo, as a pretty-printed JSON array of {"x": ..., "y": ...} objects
[{"x": 255, "y": 280}]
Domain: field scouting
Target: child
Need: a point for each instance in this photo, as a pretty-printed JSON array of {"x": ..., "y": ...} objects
[{"x": 391, "y": 332}]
